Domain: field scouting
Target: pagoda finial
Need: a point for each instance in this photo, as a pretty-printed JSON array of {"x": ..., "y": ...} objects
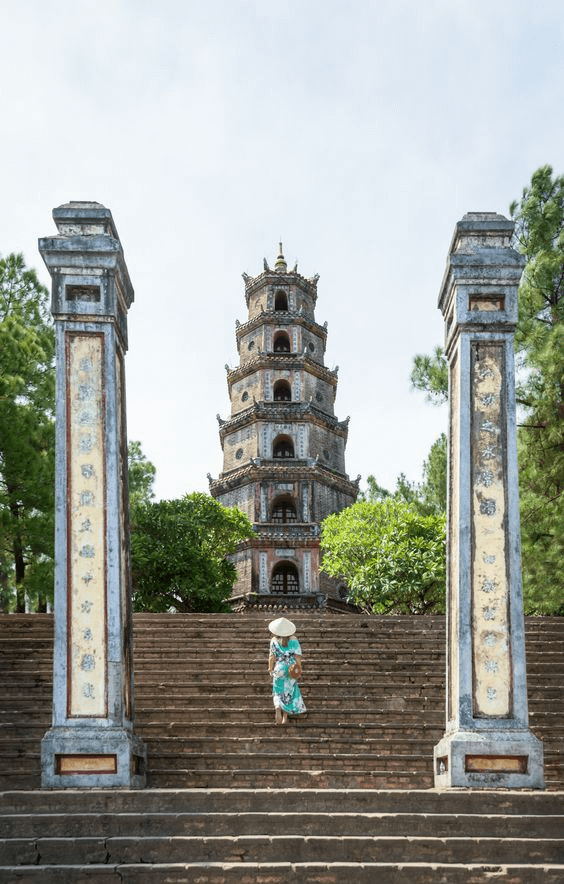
[{"x": 280, "y": 265}]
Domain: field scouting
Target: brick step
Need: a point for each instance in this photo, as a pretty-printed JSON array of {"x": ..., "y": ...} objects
[
  {"x": 294, "y": 742},
  {"x": 277, "y": 848},
  {"x": 173, "y": 779},
  {"x": 149, "y": 693},
  {"x": 184, "y": 760},
  {"x": 229, "y": 675},
  {"x": 291, "y": 740},
  {"x": 167, "y": 650},
  {"x": 181, "y": 642},
  {"x": 412, "y": 637},
  {"x": 319, "y": 699},
  {"x": 546, "y": 720},
  {"x": 160, "y": 777},
  {"x": 413, "y": 696},
  {"x": 204, "y": 729},
  {"x": 522, "y": 802},
  {"x": 437, "y": 825},
  {"x": 176, "y": 650},
  {"x": 282, "y": 873},
  {"x": 253, "y": 715},
  {"x": 303, "y": 729}
]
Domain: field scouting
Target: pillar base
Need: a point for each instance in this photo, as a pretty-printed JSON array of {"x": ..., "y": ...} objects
[
  {"x": 508, "y": 759},
  {"x": 93, "y": 757}
]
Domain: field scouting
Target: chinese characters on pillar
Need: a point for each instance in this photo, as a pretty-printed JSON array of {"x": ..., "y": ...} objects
[
  {"x": 86, "y": 526},
  {"x": 490, "y": 591}
]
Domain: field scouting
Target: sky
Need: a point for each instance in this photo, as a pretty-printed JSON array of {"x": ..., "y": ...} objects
[{"x": 357, "y": 131}]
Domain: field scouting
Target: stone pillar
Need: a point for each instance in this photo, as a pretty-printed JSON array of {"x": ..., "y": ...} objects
[
  {"x": 487, "y": 743},
  {"x": 91, "y": 742}
]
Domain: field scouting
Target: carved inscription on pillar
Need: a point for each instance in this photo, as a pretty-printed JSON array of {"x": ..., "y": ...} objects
[
  {"x": 263, "y": 581},
  {"x": 305, "y": 494},
  {"x": 87, "y": 696},
  {"x": 307, "y": 571},
  {"x": 490, "y": 584},
  {"x": 301, "y": 442}
]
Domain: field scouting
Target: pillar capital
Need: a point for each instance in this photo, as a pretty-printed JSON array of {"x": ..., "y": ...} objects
[
  {"x": 87, "y": 266},
  {"x": 479, "y": 288}
]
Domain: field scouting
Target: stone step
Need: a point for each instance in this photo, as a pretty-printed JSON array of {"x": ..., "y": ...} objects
[
  {"x": 28, "y": 776},
  {"x": 305, "y": 729},
  {"x": 294, "y": 743},
  {"x": 522, "y": 802},
  {"x": 46, "y": 851},
  {"x": 282, "y": 873},
  {"x": 182, "y": 760},
  {"x": 277, "y": 778},
  {"x": 251, "y": 714},
  {"x": 377, "y": 703},
  {"x": 437, "y": 825}
]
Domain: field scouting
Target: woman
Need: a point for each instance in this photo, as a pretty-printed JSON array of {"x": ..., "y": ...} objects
[{"x": 285, "y": 667}]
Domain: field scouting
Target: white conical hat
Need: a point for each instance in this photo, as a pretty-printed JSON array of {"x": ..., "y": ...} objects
[{"x": 282, "y": 627}]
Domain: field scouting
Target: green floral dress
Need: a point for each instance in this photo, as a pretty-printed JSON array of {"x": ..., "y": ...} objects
[{"x": 285, "y": 690}]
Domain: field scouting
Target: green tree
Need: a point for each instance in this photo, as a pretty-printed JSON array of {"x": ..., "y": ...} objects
[
  {"x": 433, "y": 489},
  {"x": 27, "y": 402},
  {"x": 539, "y": 343},
  {"x": 391, "y": 556},
  {"x": 374, "y": 491},
  {"x": 430, "y": 375},
  {"x": 427, "y": 496},
  {"x": 141, "y": 475},
  {"x": 178, "y": 551}
]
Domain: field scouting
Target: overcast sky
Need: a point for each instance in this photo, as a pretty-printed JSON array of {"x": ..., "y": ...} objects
[{"x": 358, "y": 131}]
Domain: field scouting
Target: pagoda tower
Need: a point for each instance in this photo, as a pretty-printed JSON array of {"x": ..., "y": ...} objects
[{"x": 283, "y": 447}]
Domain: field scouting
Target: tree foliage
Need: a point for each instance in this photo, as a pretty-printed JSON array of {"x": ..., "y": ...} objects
[
  {"x": 539, "y": 341},
  {"x": 391, "y": 556},
  {"x": 27, "y": 402},
  {"x": 427, "y": 496},
  {"x": 433, "y": 489},
  {"x": 141, "y": 475},
  {"x": 179, "y": 549},
  {"x": 430, "y": 375}
]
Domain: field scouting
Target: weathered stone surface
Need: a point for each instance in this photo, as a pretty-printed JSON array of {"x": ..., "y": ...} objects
[
  {"x": 91, "y": 742},
  {"x": 487, "y": 740}
]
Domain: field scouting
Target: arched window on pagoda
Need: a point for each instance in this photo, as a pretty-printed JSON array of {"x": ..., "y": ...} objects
[
  {"x": 285, "y": 578},
  {"x": 282, "y": 391},
  {"x": 283, "y": 447},
  {"x": 283, "y": 511},
  {"x": 281, "y": 342},
  {"x": 281, "y": 301}
]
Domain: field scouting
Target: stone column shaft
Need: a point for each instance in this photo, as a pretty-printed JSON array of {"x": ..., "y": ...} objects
[
  {"x": 91, "y": 742},
  {"x": 487, "y": 741}
]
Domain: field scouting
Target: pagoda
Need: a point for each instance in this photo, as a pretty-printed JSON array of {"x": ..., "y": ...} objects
[{"x": 283, "y": 447}]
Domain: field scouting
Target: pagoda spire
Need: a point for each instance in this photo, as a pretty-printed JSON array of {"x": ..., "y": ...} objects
[{"x": 280, "y": 266}]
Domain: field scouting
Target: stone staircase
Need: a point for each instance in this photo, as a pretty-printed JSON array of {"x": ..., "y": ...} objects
[{"x": 342, "y": 794}]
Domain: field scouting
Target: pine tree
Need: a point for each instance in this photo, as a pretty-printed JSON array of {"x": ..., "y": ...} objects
[
  {"x": 539, "y": 342},
  {"x": 27, "y": 401}
]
